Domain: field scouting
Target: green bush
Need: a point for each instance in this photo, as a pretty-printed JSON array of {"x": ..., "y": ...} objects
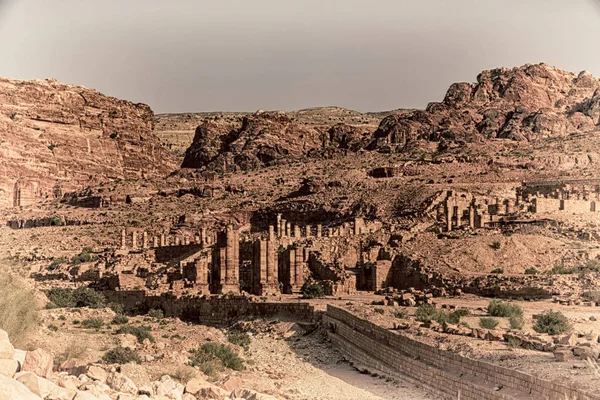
[
  {"x": 92, "y": 323},
  {"x": 531, "y": 271},
  {"x": 497, "y": 308},
  {"x": 552, "y": 323},
  {"x": 84, "y": 256},
  {"x": 495, "y": 245},
  {"x": 562, "y": 270},
  {"x": 56, "y": 263},
  {"x": 401, "y": 314},
  {"x": 53, "y": 327},
  {"x": 121, "y": 355},
  {"x": 379, "y": 310},
  {"x": 156, "y": 313},
  {"x": 516, "y": 322},
  {"x": 488, "y": 323},
  {"x": 312, "y": 291},
  {"x": 497, "y": 271},
  {"x": 241, "y": 339},
  {"x": 119, "y": 319},
  {"x": 80, "y": 297},
  {"x": 140, "y": 332},
  {"x": 212, "y": 357},
  {"x": 591, "y": 295},
  {"x": 427, "y": 313}
]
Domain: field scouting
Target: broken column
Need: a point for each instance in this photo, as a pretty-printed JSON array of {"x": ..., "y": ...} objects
[
  {"x": 162, "y": 240},
  {"x": 278, "y": 226},
  {"x": 288, "y": 229},
  {"x": 134, "y": 238},
  {"x": 226, "y": 262},
  {"x": 144, "y": 240},
  {"x": 319, "y": 230},
  {"x": 471, "y": 217},
  {"x": 155, "y": 241},
  {"x": 265, "y": 268},
  {"x": 271, "y": 233},
  {"x": 308, "y": 230},
  {"x": 293, "y": 269},
  {"x": 297, "y": 231},
  {"x": 197, "y": 274},
  {"x": 282, "y": 228},
  {"x": 449, "y": 215},
  {"x": 123, "y": 239}
]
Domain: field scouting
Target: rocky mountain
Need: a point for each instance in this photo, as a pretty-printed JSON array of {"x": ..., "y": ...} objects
[
  {"x": 56, "y": 138},
  {"x": 524, "y": 104}
]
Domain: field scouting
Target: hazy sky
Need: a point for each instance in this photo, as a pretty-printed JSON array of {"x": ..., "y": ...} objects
[{"x": 206, "y": 55}]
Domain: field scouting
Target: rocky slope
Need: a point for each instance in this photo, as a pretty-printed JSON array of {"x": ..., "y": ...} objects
[
  {"x": 524, "y": 103},
  {"x": 56, "y": 138}
]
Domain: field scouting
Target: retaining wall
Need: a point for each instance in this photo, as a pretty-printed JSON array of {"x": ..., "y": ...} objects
[{"x": 445, "y": 373}]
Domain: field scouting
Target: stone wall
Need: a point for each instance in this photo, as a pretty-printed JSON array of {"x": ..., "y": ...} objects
[
  {"x": 447, "y": 374},
  {"x": 217, "y": 311}
]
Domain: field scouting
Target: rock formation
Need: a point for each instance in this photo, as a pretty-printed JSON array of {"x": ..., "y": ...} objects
[
  {"x": 56, "y": 138},
  {"x": 523, "y": 103}
]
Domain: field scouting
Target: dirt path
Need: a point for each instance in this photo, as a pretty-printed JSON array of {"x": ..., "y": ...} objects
[{"x": 307, "y": 368}]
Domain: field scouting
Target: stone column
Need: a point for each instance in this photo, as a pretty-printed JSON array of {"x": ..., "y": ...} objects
[
  {"x": 330, "y": 232},
  {"x": 203, "y": 236},
  {"x": 319, "y": 230},
  {"x": 145, "y": 240},
  {"x": 308, "y": 231},
  {"x": 162, "y": 240},
  {"x": 283, "y": 228},
  {"x": 278, "y": 226},
  {"x": 288, "y": 229},
  {"x": 265, "y": 276},
  {"x": 123, "y": 239},
  {"x": 449, "y": 215},
  {"x": 297, "y": 231},
  {"x": 471, "y": 217},
  {"x": 271, "y": 232},
  {"x": 155, "y": 241},
  {"x": 134, "y": 237},
  {"x": 356, "y": 226},
  {"x": 177, "y": 241}
]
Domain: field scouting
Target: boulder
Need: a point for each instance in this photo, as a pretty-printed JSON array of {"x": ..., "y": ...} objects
[
  {"x": 7, "y": 351},
  {"x": 194, "y": 385},
  {"x": 585, "y": 352},
  {"x": 39, "y": 362},
  {"x": 84, "y": 396},
  {"x": 568, "y": 340},
  {"x": 37, "y": 385},
  {"x": 121, "y": 383},
  {"x": 97, "y": 373},
  {"x": 11, "y": 389},
  {"x": 248, "y": 394},
  {"x": 231, "y": 383},
  {"x": 168, "y": 387},
  {"x": 563, "y": 355},
  {"x": 9, "y": 367}
]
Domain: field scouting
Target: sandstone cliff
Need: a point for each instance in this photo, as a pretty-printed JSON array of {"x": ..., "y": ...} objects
[
  {"x": 56, "y": 138},
  {"x": 524, "y": 103}
]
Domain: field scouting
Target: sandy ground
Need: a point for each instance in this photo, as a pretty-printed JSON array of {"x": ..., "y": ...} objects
[{"x": 307, "y": 368}]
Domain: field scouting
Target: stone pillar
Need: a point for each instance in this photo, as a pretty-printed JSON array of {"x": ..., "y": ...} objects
[
  {"x": 283, "y": 228},
  {"x": 163, "y": 243},
  {"x": 203, "y": 236},
  {"x": 449, "y": 215},
  {"x": 155, "y": 241},
  {"x": 197, "y": 274},
  {"x": 226, "y": 261},
  {"x": 144, "y": 240},
  {"x": 319, "y": 230},
  {"x": 297, "y": 231},
  {"x": 271, "y": 233},
  {"x": 330, "y": 232},
  {"x": 471, "y": 217},
  {"x": 356, "y": 226},
  {"x": 278, "y": 226},
  {"x": 177, "y": 241},
  {"x": 134, "y": 238},
  {"x": 294, "y": 270},
  {"x": 265, "y": 268},
  {"x": 123, "y": 239},
  {"x": 308, "y": 229},
  {"x": 288, "y": 229}
]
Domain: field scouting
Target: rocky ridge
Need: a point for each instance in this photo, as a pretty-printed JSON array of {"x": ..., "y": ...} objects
[{"x": 56, "y": 138}]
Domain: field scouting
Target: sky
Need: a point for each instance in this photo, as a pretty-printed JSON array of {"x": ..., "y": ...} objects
[{"x": 245, "y": 55}]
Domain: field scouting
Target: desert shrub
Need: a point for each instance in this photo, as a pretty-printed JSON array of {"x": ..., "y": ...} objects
[
  {"x": 427, "y": 313},
  {"x": 53, "y": 327},
  {"x": 552, "y": 323},
  {"x": 241, "y": 339},
  {"x": 56, "y": 263},
  {"x": 379, "y": 310},
  {"x": 497, "y": 308},
  {"x": 592, "y": 318},
  {"x": 121, "y": 355},
  {"x": 19, "y": 310},
  {"x": 80, "y": 297},
  {"x": 562, "y": 270},
  {"x": 591, "y": 295},
  {"x": 495, "y": 245},
  {"x": 378, "y": 303},
  {"x": 74, "y": 349},
  {"x": 531, "y": 271},
  {"x": 212, "y": 357},
  {"x": 156, "y": 313},
  {"x": 312, "y": 291},
  {"x": 140, "y": 332},
  {"x": 117, "y": 308},
  {"x": 56, "y": 221},
  {"x": 488, "y": 323},
  {"x": 119, "y": 319},
  {"x": 401, "y": 314},
  {"x": 516, "y": 322},
  {"x": 84, "y": 256},
  {"x": 497, "y": 271},
  {"x": 591, "y": 266},
  {"x": 92, "y": 323}
]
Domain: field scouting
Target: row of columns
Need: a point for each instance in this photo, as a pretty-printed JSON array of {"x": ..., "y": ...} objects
[
  {"x": 285, "y": 228},
  {"x": 205, "y": 238}
]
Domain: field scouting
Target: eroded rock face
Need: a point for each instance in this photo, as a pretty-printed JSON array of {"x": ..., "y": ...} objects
[
  {"x": 262, "y": 139},
  {"x": 56, "y": 138},
  {"x": 524, "y": 103}
]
